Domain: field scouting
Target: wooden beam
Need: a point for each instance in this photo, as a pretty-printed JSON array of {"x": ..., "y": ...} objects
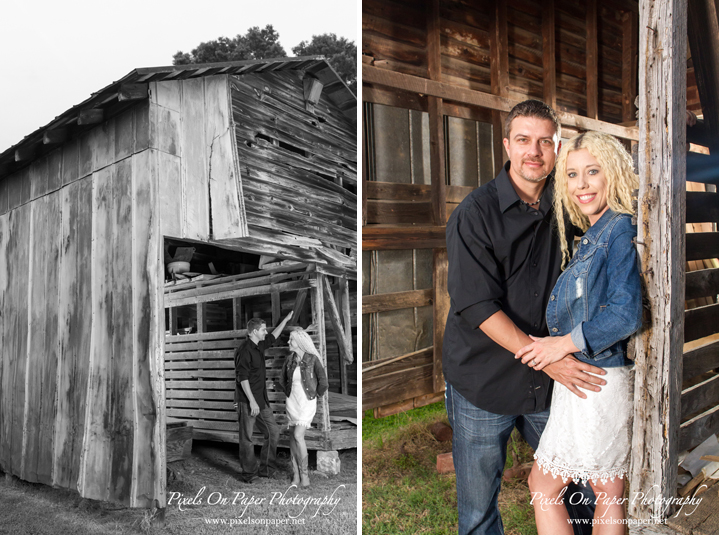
[
  {"x": 549, "y": 54},
  {"x": 396, "y": 301},
  {"x": 592, "y": 61},
  {"x": 661, "y": 228},
  {"x": 415, "y": 84},
  {"x": 132, "y": 92},
  {"x": 91, "y": 116},
  {"x": 630, "y": 41},
  {"x": 704, "y": 44},
  {"x": 385, "y": 238},
  {"x": 499, "y": 78},
  {"x": 55, "y": 136},
  {"x": 345, "y": 345},
  {"x": 25, "y": 153},
  {"x": 436, "y": 117}
]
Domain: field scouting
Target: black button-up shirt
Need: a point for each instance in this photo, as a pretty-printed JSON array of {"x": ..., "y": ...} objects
[
  {"x": 250, "y": 366},
  {"x": 503, "y": 255}
]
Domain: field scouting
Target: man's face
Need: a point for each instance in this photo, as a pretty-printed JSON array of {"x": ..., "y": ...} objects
[
  {"x": 532, "y": 147},
  {"x": 261, "y": 332}
]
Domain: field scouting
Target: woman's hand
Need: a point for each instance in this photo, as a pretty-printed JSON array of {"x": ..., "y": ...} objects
[{"x": 545, "y": 351}]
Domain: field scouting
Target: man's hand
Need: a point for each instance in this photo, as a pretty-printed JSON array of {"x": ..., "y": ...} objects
[
  {"x": 544, "y": 351},
  {"x": 254, "y": 408},
  {"x": 575, "y": 375}
]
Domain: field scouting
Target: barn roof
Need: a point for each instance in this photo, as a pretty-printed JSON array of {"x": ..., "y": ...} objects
[{"x": 123, "y": 93}]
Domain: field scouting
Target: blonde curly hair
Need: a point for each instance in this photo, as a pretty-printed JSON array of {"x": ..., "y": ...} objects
[{"x": 618, "y": 170}]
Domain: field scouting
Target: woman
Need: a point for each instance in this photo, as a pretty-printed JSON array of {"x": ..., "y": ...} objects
[
  {"x": 594, "y": 308},
  {"x": 303, "y": 379}
]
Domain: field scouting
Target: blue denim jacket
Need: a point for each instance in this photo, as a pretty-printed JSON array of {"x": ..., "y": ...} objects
[{"x": 598, "y": 297}]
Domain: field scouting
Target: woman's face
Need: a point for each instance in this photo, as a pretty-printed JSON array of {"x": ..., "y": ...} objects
[
  {"x": 293, "y": 345},
  {"x": 587, "y": 184}
]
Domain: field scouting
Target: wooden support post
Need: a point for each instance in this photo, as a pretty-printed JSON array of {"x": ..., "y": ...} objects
[
  {"x": 364, "y": 144},
  {"x": 201, "y": 318},
  {"x": 173, "y": 320},
  {"x": 592, "y": 61},
  {"x": 630, "y": 42},
  {"x": 318, "y": 319},
  {"x": 345, "y": 345},
  {"x": 499, "y": 74},
  {"x": 436, "y": 119},
  {"x": 549, "y": 54},
  {"x": 237, "y": 313},
  {"x": 661, "y": 242},
  {"x": 440, "y": 307},
  {"x": 344, "y": 300},
  {"x": 276, "y": 313}
]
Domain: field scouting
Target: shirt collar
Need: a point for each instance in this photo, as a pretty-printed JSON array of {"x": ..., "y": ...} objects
[
  {"x": 592, "y": 234},
  {"x": 508, "y": 196}
]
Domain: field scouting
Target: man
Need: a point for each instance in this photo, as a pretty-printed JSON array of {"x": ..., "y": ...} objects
[
  {"x": 253, "y": 406},
  {"x": 504, "y": 258}
]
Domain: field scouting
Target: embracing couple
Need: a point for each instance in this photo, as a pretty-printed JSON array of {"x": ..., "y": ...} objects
[{"x": 515, "y": 277}]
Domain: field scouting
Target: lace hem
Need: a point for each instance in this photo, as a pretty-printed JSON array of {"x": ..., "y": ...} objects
[
  {"x": 303, "y": 423},
  {"x": 579, "y": 475}
]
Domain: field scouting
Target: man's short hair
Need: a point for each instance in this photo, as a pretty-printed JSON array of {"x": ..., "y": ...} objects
[
  {"x": 254, "y": 324},
  {"x": 532, "y": 108}
]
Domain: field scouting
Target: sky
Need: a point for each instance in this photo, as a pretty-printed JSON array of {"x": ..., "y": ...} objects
[{"x": 56, "y": 53}]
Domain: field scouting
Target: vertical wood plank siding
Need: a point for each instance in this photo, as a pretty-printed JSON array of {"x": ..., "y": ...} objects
[{"x": 81, "y": 402}]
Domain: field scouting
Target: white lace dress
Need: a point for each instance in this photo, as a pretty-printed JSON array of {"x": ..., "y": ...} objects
[
  {"x": 590, "y": 438},
  {"x": 300, "y": 410}
]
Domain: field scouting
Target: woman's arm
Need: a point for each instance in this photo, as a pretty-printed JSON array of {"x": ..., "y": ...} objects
[{"x": 322, "y": 384}]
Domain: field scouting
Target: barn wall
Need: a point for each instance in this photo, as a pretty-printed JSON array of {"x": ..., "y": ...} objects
[
  {"x": 200, "y": 192},
  {"x": 299, "y": 168},
  {"x": 79, "y": 259}
]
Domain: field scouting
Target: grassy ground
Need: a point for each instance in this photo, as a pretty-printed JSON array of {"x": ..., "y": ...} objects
[
  {"x": 37, "y": 509},
  {"x": 401, "y": 489}
]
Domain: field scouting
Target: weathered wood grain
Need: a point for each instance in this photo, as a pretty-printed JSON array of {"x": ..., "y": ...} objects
[
  {"x": 661, "y": 227},
  {"x": 396, "y": 301},
  {"x": 399, "y": 192},
  {"x": 700, "y": 397},
  {"x": 382, "y": 238},
  {"x": 172, "y": 199},
  {"x": 318, "y": 320},
  {"x": 698, "y": 429}
]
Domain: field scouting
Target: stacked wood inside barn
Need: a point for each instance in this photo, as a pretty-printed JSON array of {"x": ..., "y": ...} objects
[
  {"x": 438, "y": 80},
  {"x": 85, "y": 202}
]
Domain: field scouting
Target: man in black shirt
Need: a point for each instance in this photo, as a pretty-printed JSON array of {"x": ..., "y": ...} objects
[
  {"x": 504, "y": 258},
  {"x": 253, "y": 406}
]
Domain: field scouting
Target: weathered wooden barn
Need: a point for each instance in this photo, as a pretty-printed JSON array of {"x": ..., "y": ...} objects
[
  {"x": 248, "y": 167},
  {"x": 438, "y": 80}
]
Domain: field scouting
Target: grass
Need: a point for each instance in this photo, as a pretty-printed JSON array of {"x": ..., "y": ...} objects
[
  {"x": 401, "y": 489},
  {"x": 41, "y": 510}
]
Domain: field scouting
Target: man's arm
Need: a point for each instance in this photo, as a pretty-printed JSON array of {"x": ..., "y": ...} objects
[
  {"x": 254, "y": 407},
  {"x": 568, "y": 371},
  {"x": 278, "y": 330}
]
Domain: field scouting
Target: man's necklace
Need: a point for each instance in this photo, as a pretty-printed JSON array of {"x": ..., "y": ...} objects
[{"x": 531, "y": 203}]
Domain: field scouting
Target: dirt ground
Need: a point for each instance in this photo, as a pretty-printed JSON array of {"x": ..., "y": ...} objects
[{"x": 204, "y": 496}]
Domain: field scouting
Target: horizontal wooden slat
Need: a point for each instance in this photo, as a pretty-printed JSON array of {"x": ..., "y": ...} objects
[
  {"x": 172, "y": 301},
  {"x": 200, "y": 364},
  {"x": 701, "y": 359},
  {"x": 396, "y": 301},
  {"x": 199, "y": 374},
  {"x": 200, "y": 385},
  {"x": 702, "y": 207},
  {"x": 196, "y": 337},
  {"x": 702, "y": 283},
  {"x": 398, "y": 212},
  {"x": 456, "y": 194},
  {"x": 399, "y": 192},
  {"x": 700, "y": 397},
  {"x": 396, "y": 386},
  {"x": 698, "y": 429},
  {"x": 385, "y": 238},
  {"x": 700, "y": 322},
  {"x": 415, "y": 84},
  {"x": 702, "y": 245}
]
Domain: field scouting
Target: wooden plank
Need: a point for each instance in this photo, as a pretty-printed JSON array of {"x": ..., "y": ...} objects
[
  {"x": 70, "y": 162},
  {"x": 3, "y": 196},
  {"x": 4, "y": 337},
  {"x": 148, "y": 468},
  {"x": 336, "y": 321},
  {"x": 439, "y": 311},
  {"x": 227, "y": 213},
  {"x": 700, "y": 397},
  {"x": 702, "y": 245},
  {"x": 74, "y": 300},
  {"x": 195, "y": 178},
  {"x": 390, "y": 191},
  {"x": 630, "y": 41},
  {"x": 698, "y": 429},
  {"x": 171, "y": 301},
  {"x": 38, "y": 178},
  {"x": 702, "y": 207},
  {"x": 700, "y": 322},
  {"x": 318, "y": 320},
  {"x": 592, "y": 51},
  {"x": 384, "y": 238},
  {"x": 393, "y": 212},
  {"x": 169, "y": 169},
  {"x": 376, "y": 368},
  {"x": 661, "y": 226},
  {"x": 397, "y": 386},
  {"x": 702, "y": 283},
  {"x": 54, "y": 170},
  {"x": 446, "y": 91},
  {"x": 701, "y": 359},
  {"x": 549, "y": 54},
  {"x": 396, "y": 300}
]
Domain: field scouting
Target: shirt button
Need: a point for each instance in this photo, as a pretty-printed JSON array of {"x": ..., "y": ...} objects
[
  {"x": 585, "y": 241},
  {"x": 534, "y": 265},
  {"x": 535, "y": 325},
  {"x": 536, "y": 294},
  {"x": 551, "y": 298},
  {"x": 554, "y": 329}
]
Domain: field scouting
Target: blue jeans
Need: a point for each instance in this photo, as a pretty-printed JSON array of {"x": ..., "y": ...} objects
[
  {"x": 265, "y": 421},
  {"x": 479, "y": 451}
]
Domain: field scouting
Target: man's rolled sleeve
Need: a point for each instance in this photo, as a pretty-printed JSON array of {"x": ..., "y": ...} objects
[
  {"x": 578, "y": 339},
  {"x": 474, "y": 276}
]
